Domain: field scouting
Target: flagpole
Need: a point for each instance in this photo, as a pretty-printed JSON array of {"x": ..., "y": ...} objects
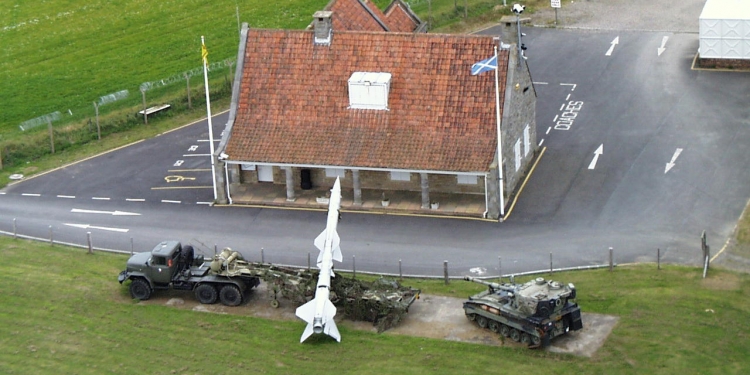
[
  {"x": 499, "y": 138},
  {"x": 204, "y": 54}
]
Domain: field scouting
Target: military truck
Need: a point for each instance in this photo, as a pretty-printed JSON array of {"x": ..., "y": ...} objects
[
  {"x": 172, "y": 265},
  {"x": 532, "y": 313}
]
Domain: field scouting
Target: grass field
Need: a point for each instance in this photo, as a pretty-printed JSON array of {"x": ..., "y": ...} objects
[
  {"x": 63, "y": 312},
  {"x": 61, "y": 57}
]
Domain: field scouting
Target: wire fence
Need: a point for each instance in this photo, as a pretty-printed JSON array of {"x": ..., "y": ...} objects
[
  {"x": 296, "y": 259},
  {"x": 30, "y": 124}
]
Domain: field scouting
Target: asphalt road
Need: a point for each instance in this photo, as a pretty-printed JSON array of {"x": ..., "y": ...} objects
[{"x": 646, "y": 110}]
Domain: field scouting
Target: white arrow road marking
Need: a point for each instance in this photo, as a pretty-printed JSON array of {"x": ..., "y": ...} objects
[
  {"x": 669, "y": 166},
  {"x": 612, "y": 46},
  {"x": 86, "y": 226},
  {"x": 113, "y": 213},
  {"x": 598, "y": 152},
  {"x": 661, "y": 49}
]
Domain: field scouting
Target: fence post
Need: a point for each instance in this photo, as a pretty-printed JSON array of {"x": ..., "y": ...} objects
[
  {"x": 500, "y": 269},
  {"x": 98, "y": 128},
  {"x": 88, "y": 239},
  {"x": 190, "y": 100},
  {"x": 15, "y": 232},
  {"x": 658, "y": 259},
  {"x": 400, "y": 274},
  {"x": 354, "y": 267},
  {"x": 145, "y": 116},
  {"x": 50, "y": 236},
  {"x": 611, "y": 259},
  {"x": 550, "y": 262},
  {"x": 445, "y": 271},
  {"x": 51, "y": 136},
  {"x": 262, "y": 255},
  {"x": 308, "y": 260}
]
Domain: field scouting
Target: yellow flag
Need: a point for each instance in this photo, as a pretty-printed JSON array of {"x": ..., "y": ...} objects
[{"x": 204, "y": 54}]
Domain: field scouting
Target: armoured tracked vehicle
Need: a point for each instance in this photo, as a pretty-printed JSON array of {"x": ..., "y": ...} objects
[{"x": 532, "y": 313}]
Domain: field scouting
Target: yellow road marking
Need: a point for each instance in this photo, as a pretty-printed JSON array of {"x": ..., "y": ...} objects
[{"x": 528, "y": 176}]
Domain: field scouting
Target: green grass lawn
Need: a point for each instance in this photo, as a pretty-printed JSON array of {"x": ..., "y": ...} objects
[
  {"x": 61, "y": 57},
  {"x": 63, "y": 312}
]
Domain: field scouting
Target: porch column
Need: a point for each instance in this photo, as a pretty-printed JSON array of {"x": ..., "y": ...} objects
[
  {"x": 220, "y": 181},
  {"x": 357, "y": 187},
  {"x": 289, "y": 185},
  {"x": 425, "y": 190}
]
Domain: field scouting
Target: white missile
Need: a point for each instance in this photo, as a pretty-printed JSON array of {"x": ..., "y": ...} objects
[{"x": 319, "y": 312}]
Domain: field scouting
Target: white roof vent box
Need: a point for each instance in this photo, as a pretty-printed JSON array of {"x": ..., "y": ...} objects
[{"x": 368, "y": 90}]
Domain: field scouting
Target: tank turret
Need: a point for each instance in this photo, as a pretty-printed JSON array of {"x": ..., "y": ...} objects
[{"x": 532, "y": 312}]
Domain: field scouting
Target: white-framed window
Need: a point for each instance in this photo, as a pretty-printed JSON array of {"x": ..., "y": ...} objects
[
  {"x": 464, "y": 179},
  {"x": 335, "y": 172},
  {"x": 526, "y": 141},
  {"x": 400, "y": 176},
  {"x": 517, "y": 149},
  {"x": 247, "y": 167}
]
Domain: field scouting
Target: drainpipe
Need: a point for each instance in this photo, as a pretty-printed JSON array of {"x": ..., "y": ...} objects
[
  {"x": 486, "y": 197},
  {"x": 226, "y": 178}
]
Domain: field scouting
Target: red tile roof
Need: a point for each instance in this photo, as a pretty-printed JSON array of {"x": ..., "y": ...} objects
[
  {"x": 292, "y": 107},
  {"x": 399, "y": 18},
  {"x": 351, "y": 15}
]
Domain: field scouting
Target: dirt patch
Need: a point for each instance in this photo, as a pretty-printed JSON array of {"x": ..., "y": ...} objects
[
  {"x": 430, "y": 316},
  {"x": 722, "y": 281}
]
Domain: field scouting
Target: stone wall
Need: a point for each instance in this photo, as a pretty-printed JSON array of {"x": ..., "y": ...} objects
[
  {"x": 518, "y": 125},
  {"x": 710, "y": 63}
]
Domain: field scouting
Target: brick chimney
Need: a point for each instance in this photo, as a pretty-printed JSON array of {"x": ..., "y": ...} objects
[{"x": 323, "y": 28}]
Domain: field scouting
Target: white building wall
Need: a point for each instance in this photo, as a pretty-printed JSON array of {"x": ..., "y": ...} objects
[{"x": 724, "y": 29}]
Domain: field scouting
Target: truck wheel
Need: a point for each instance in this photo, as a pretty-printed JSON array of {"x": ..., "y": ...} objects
[
  {"x": 140, "y": 290},
  {"x": 536, "y": 341},
  {"x": 515, "y": 335},
  {"x": 505, "y": 330},
  {"x": 525, "y": 339},
  {"x": 494, "y": 326},
  {"x": 230, "y": 295},
  {"x": 206, "y": 294}
]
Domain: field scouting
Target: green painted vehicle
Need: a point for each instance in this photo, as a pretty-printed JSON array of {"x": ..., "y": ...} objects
[
  {"x": 172, "y": 265},
  {"x": 532, "y": 313}
]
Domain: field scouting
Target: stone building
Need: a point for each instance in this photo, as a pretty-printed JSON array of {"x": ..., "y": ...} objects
[{"x": 386, "y": 112}]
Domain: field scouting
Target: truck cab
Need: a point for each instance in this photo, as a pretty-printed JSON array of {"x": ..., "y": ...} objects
[{"x": 162, "y": 266}]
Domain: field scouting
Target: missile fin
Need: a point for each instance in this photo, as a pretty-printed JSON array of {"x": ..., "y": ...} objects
[
  {"x": 332, "y": 330},
  {"x": 307, "y": 333},
  {"x": 306, "y": 312},
  {"x": 330, "y": 324},
  {"x": 320, "y": 241},
  {"x": 336, "y": 249}
]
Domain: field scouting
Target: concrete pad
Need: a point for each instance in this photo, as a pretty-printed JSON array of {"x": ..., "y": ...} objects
[{"x": 430, "y": 316}]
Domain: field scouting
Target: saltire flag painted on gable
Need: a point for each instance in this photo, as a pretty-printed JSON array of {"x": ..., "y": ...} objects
[{"x": 484, "y": 65}]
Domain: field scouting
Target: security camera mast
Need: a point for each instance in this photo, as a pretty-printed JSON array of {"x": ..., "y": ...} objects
[{"x": 319, "y": 312}]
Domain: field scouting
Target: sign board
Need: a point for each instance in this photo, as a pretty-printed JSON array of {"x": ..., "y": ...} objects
[{"x": 555, "y": 3}]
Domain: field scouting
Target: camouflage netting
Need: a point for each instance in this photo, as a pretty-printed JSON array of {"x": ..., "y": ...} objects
[{"x": 382, "y": 302}]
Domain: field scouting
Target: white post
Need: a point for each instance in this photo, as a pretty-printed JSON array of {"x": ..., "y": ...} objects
[
  {"x": 208, "y": 111},
  {"x": 499, "y": 138}
]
